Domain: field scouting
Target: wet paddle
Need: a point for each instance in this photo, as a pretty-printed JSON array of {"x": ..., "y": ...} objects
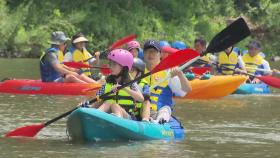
[
  {"x": 117, "y": 44},
  {"x": 103, "y": 68},
  {"x": 269, "y": 80},
  {"x": 173, "y": 60}
]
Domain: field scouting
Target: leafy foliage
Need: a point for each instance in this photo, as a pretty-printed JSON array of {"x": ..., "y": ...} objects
[{"x": 26, "y": 25}]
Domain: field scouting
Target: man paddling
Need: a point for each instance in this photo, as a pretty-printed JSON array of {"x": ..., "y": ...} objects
[
  {"x": 161, "y": 95},
  {"x": 230, "y": 59},
  {"x": 253, "y": 60},
  {"x": 50, "y": 63},
  {"x": 200, "y": 47}
]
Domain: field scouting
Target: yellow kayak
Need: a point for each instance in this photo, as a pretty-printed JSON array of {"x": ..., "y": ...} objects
[{"x": 215, "y": 87}]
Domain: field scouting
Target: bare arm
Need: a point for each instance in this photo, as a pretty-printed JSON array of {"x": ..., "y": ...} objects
[
  {"x": 185, "y": 85},
  {"x": 135, "y": 94},
  {"x": 60, "y": 68}
]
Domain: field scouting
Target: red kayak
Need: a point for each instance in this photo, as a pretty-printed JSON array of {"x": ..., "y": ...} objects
[{"x": 26, "y": 86}]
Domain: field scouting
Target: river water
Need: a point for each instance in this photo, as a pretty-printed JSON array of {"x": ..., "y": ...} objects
[{"x": 234, "y": 126}]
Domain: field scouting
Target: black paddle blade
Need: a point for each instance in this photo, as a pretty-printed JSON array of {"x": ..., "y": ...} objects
[{"x": 231, "y": 35}]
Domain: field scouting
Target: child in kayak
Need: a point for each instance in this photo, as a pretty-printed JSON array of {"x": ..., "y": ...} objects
[
  {"x": 161, "y": 95},
  {"x": 133, "y": 47},
  {"x": 122, "y": 102},
  {"x": 142, "y": 111}
]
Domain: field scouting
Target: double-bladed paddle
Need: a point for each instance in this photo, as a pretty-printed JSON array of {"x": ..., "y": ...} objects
[
  {"x": 105, "y": 70},
  {"x": 264, "y": 70},
  {"x": 173, "y": 60},
  {"x": 232, "y": 34}
]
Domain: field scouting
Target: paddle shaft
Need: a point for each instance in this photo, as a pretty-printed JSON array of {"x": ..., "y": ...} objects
[
  {"x": 264, "y": 70},
  {"x": 95, "y": 99},
  {"x": 222, "y": 66},
  {"x": 104, "y": 51}
]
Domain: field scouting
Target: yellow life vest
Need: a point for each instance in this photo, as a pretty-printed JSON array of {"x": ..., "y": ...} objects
[
  {"x": 252, "y": 62},
  {"x": 206, "y": 57},
  {"x": 79, "y": 56},
  {"x": 141, "y": 84},
  {"x": 229, "y": 61},
  {"x": 139, "y": 105},
  {"x": 121, "y": 97},
  {"x": 60, "y": 56},
  {"x": 155, "y": 92}
]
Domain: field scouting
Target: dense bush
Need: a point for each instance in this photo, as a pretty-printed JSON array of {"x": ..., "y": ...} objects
[{"x": 26, "y": 24}]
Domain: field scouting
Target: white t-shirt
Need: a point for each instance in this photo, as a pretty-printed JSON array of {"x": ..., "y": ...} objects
[
  {"x": 266, "y": 66},
  {"x": 176, "y": 87},
  {"x": 240, "y": 62}
]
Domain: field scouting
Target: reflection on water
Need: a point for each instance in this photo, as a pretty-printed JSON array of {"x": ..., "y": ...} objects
[{"x": 235, "y": 126}]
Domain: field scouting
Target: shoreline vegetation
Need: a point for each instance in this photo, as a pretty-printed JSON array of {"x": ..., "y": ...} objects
[{"x": 25, "y": 32}]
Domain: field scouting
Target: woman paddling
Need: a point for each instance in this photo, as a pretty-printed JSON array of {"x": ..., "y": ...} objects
[{"x": 79, "y": 53}]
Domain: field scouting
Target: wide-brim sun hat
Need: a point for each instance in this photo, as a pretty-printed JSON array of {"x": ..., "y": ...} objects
[{"x": 80, "y": 39}]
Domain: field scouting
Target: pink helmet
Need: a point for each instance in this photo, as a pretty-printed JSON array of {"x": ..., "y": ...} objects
[
  {"x": 133, "y": 44},
  {"x": 122, "y": 57}
]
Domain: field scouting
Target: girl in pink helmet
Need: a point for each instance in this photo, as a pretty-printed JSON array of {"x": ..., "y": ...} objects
[
  {"x": 133, "y": 47},
  {"x": 122, "y": 102}
]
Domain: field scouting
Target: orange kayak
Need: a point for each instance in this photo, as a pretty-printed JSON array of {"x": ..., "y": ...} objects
[
  {"x": 215, "y": 87},
  {"x": 26, "y": 86}
]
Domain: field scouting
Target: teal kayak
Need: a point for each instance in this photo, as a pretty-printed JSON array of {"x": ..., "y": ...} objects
[
  {"x": 248, "y": 88},
  {"x": 88, "y": 124}
]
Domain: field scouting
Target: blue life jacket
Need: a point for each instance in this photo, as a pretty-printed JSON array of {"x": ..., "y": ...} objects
[
  {"x": 164, "y": 98},
  {"x": 48, "y": 73}
]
